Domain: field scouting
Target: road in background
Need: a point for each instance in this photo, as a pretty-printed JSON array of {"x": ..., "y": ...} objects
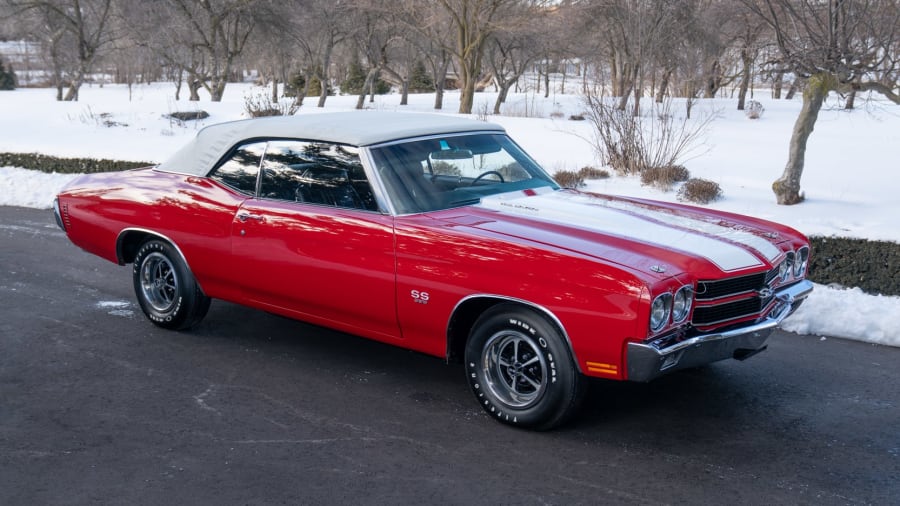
[{"x": 99, "y": 406}]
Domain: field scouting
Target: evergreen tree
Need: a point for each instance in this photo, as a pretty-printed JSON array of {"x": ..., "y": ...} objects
[
  {"x": 356, "y": 78},
  {"x": 7, "y": 78},
  {"x": 420, "y": 81}
]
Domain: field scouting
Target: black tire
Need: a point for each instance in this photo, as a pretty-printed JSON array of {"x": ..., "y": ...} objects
[
  {"x": 521, "y": 370},
  {"x": 165, "y": 288}
]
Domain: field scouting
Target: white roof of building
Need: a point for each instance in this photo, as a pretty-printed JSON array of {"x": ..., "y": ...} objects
[{"x": 358, "y": 128}]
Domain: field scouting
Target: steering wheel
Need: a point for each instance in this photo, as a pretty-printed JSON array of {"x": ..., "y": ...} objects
[{"x": 487, "y": 173}]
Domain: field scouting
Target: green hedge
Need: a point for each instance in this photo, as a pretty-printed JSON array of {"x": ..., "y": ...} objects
[
  {"x": 870, "y": 265},
  {"x": 45, "y": 163}
]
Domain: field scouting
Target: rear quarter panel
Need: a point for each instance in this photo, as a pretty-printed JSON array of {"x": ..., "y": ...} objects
[{"x": 194, "y": 213}]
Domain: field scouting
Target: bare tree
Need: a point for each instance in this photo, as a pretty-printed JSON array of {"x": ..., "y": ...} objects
[
  {"x": 833, "y": 45},
  {"x": 219, "y": 30},
  {"x": 316, "y": 30},
  {"x": 635, "y": 31},
  {"x": 475, "y": 21},
  {"x": 82, "y": 25},
  {"x": 428, "y": 29},
  {"x": 509, "y": 55}
]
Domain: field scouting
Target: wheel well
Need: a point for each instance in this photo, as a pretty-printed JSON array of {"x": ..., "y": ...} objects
[
  {"x": 129, "y": 243},
  {"x": 467, "y": 313}
]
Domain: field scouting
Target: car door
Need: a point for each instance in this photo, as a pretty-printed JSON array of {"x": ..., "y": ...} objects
[{"x": 313, "y": 243}]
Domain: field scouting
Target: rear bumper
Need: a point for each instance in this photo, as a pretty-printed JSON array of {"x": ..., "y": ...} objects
[{"x": 646, "y": 361}]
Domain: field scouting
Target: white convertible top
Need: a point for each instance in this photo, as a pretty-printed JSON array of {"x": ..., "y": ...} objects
[{"x": 358, "y": 128}]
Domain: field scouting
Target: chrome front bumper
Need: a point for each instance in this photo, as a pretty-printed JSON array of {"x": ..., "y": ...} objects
[{"x": 646, "y": 361}]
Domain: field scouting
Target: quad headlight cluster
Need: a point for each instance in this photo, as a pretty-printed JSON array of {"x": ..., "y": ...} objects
[
  {"x": 670, "y": 307},
  {"x": 794, "y": 264}
]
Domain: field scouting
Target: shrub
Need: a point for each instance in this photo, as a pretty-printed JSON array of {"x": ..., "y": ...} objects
[
  {"x": 576, "y": 117},
  {"x": 754, "y": 109},
  {"x": 258, "y": 105},
  {"x": 630, "y": 143},
  {"x": 699, "y": 191},
  {"x": 189, "y": 115},
  {"x": 296, "y": 83},
  {"x": 50, "y": 164},
  {"x": 664, "y": 177},
  {"x": 593, "y": 173},
  {"x": 569, "y": 179}
]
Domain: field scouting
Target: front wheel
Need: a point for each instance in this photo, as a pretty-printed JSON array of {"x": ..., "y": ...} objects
[
  {"x": 520, "y": 369},
  {"x": 166, "y": 289}
]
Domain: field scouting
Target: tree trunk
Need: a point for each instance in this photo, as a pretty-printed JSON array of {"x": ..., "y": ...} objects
[
  {"x": 194, "y": 86},
  {"x": 370, "y": 79},
  {"x": 777, "y": 85},
  {"x": 623, "y": 100},
  {"x": 440, "y": 78},
  {"x": 746, "y": 76},
  {"x": 322, "y": 75},
  {"x": 503, "y": 87},
  {"x": 404, "y": 92},
  {"x": 75, "y": 86},
  {"x": 274, "y": 89},
  {"x": 851, "y": 101},
  {"x": 178, "y": 83},
  {"x": 547, "y": 83},
  {"x": 72, "y": 92},
  {"x": 663, "y": 86},
  {"x": 217, "y": 90},
  {"x": 795, "y": 85},
  {"x": 787, "y": 187}
]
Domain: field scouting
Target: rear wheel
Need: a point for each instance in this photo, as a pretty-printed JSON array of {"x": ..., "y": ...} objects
[
  {"x": 520, "y": 369},
  {"x": 165, "y": 288}
]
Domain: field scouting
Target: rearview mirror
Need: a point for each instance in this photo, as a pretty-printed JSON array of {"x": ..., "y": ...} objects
[{"x": 452, "y": 154}]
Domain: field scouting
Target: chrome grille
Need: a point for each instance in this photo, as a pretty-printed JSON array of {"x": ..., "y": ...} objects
[
  {"x": 719, "y": 313},
  {"x": 746, "y": 296},
  {"x": 710, "y": 290}
]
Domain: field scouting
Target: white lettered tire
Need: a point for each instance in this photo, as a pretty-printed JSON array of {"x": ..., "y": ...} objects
[
  {"x": 165, "y": 288},
  {"x": 520, "y": 368}
]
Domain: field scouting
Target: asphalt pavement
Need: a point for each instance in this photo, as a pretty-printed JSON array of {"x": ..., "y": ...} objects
[{"x": 98, "y": 406}]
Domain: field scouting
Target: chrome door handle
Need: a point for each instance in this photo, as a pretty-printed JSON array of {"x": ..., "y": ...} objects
[{"x": 247, "y": 216}]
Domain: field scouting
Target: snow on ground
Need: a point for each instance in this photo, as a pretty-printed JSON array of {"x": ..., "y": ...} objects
[{"x": 850, "y": 180}]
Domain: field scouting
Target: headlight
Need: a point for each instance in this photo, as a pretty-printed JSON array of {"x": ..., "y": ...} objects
[
  {"x": 801, "y": 261},
  {"x": 681, "y": 303},
  {"x": 784, "y": 270},
  {"x": 659, "y": 311}
]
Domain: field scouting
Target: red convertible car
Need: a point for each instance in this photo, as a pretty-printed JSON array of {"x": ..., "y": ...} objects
[{"x": 439, "y": 234}]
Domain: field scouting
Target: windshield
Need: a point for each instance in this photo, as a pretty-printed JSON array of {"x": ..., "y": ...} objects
[{"x": 443, "y": 172}]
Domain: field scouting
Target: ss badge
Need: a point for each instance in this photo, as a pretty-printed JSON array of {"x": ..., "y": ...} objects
[{"x": 419, "y": 297}]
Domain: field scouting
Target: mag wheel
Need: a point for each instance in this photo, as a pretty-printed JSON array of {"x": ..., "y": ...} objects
[
  {"x": 520, "y": 369},
  {"x": 165, "y": 288}
]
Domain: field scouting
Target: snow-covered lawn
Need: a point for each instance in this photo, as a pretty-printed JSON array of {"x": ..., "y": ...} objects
[{"x": 851, "y": 179}]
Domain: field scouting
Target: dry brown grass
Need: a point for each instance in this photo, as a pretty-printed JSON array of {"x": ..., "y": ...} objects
[
  {"x": 664, "y": 178},
  {"x": 569, "y": 179},
  {"x": 699, "y": 191},
  {"x": 593, "y": 173}
]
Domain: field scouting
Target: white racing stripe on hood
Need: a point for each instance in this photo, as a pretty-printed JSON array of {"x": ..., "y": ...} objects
[{"x": 707, "y": 239}]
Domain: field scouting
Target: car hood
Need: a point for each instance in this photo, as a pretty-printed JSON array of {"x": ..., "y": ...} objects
[{"x": 656, "y": 238}]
